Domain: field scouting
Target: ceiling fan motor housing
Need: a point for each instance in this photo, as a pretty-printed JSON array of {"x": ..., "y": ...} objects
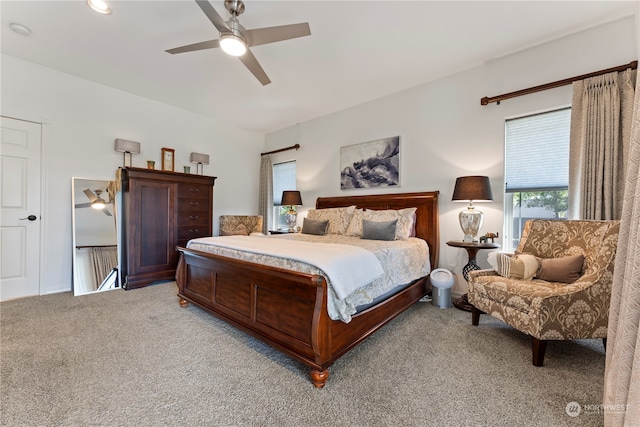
[{"x": 235, "y": 7}]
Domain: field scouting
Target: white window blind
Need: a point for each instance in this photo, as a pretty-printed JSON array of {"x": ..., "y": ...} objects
[
  {"x": 537, "y": 152},
  {"x": 284, "y": 178}
]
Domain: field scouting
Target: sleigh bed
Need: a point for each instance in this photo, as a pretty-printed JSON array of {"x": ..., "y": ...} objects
[{"x": 288, "y": 309}]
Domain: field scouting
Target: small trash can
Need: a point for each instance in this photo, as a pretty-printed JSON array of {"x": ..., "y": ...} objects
[{"x": 441, "y": 282}]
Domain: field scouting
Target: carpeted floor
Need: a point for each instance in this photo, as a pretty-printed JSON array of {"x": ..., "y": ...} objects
[{"x": 136, "y": 358}]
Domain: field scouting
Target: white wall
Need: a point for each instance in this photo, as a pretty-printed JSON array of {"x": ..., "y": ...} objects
[
  {"x": 446, "y": 133},
  {"x": 83, "y": 118}
]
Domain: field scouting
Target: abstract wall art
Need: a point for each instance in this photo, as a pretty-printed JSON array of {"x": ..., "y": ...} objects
[{"x": 370, "y": 164}]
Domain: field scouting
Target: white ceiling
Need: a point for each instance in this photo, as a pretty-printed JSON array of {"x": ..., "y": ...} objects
[{"x": 358, "y": 50}]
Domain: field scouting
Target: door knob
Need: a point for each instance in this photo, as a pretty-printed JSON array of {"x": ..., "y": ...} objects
[{"x": 30, "y": 218}]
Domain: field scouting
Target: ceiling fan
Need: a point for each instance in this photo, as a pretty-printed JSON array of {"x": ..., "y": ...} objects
[
  {"x": 95, "y": 201},
  {"x": 235, "y": 40}
]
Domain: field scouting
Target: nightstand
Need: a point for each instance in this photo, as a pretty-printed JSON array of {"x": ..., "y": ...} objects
[{"x": 472, "y": 249}]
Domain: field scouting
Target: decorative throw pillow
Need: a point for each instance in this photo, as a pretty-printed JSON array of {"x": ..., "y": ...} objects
[
  {"x": 318, "y": 228},
  {"x": 405, "y": 217},
  {"x": 521, "y": 266},
  {"x": 240, "y": 230},
  {"x": 338, "y": 218},
  {"x": 566, "y": 269},
  {"x": 355, "y": 225},
  {"x": 379, "y": 230}
]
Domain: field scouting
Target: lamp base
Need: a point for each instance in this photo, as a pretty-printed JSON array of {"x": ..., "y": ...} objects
[
  {"x": 470, "y": 221},
  {"x": 468, "y": 238},
  {"x": 291, "y": 218}
]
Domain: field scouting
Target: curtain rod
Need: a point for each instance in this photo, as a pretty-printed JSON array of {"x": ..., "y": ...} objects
[
  {"x": 293, "y": 147},
  {"x": 486, "y": 100}
]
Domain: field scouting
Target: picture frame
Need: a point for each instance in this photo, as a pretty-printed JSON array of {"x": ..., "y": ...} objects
[
  {"x": 370, "y": 164},
  {"x": 168, "y": 159}
]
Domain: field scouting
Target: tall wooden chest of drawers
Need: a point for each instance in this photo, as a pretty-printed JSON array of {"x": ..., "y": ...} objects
[{"x": 160, "y": 210}]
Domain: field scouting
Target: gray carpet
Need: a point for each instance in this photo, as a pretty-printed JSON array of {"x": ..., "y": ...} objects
[{"x": 136, "y": 358}]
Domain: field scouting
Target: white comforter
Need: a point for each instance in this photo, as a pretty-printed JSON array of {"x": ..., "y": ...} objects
[
  {"x": 348, "y": 267},
  {"x": 402, "y": 261}
]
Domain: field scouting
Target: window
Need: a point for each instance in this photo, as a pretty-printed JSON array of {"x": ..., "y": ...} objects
[
  {"x": 284, "y": 178},
  {"x": 537, "y": 170}
]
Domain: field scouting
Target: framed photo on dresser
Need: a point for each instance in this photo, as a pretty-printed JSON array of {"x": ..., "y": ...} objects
[{"x": 168, "y": 160}]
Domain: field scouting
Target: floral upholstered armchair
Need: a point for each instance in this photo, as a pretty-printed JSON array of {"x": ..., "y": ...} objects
[
  {"x": 551, "y": 302},
  {"x": 244, "y": 225}
]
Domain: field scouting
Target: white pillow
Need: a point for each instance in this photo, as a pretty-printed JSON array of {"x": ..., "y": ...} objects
[{"x": 339, "y": 218}]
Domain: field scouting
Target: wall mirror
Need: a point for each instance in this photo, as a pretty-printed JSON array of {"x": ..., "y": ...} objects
[{"x": 95, "y": 237}]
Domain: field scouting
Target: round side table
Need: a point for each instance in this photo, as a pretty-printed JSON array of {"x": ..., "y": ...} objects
[{"x": 472, "y": 249}]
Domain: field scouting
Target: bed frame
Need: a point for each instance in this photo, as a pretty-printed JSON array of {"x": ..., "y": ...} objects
[{"x": 287, "y": 309}]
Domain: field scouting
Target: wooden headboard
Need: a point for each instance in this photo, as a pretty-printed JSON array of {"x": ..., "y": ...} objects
[{"x": 426, "y": 204}]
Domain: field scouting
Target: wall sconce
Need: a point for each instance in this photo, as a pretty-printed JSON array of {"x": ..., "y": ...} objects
[
  {"x": 200, "y": 160},
  {"x": 471, "y": 189},
  {"x": 126, "y": 147}
]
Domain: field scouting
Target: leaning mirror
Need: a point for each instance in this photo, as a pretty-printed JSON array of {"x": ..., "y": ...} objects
[{"x": 95, "y": 238}]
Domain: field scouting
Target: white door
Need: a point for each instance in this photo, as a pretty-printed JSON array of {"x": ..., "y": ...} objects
[{"x": 20, "y": 208}]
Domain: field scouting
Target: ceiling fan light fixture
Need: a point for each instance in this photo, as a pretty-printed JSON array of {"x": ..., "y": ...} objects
[
  {"x": 99, "y": 203},
  {"x": 233, "y": 45},
  {"x": 99, "y": 6}
]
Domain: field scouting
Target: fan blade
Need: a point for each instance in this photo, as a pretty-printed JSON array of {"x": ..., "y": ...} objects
[
  {"x": 213, "y": 16},
  {"x": 83, "y": 205},
  {"x": 266, "y": 35},
  {"x": 90, "y": 194},
  {"x": 106, "y": 212},
  {"x": 193, "y": 47},
  {"x": 252, "y": 64}
]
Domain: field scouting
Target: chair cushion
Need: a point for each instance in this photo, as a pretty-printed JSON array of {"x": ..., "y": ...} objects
[{"x": 240, "y": 230}]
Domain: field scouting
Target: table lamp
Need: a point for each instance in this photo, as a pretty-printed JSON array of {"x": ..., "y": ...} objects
[
  {"x": 291, "y": 199},
  {"x": 199, "y": 159},
  {"x": 471, "y": 189},
  {"x": 126, "y": 147}
]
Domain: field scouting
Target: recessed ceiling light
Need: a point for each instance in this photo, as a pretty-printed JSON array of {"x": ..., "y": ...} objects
[
  {"x": 19, "y": 29},
  {"x": 99, "y": 6}
]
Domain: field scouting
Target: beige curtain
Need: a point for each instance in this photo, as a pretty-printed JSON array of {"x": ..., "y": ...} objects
[
  {"x": 265, "y": 197},
  {"x": 601, "y": 113},
  {"x": 622, "y": 371},
  {"x": 103, "y": 260}
]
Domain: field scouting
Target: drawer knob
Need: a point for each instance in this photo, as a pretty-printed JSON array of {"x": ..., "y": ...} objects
[
  {"x": 194, "y": 190},
  {"x": 194, "y": 231},
  {"x": 194, "y": 203},
  {"x": 193, "y": 216}
]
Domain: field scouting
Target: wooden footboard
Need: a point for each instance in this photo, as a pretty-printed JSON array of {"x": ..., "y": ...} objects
[{"x": 283, "y": 308}]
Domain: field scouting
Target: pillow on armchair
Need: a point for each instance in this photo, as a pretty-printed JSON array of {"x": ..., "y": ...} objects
[
  {"x": 520, "y": 266},
  {"x": 566, "y": 269}
]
